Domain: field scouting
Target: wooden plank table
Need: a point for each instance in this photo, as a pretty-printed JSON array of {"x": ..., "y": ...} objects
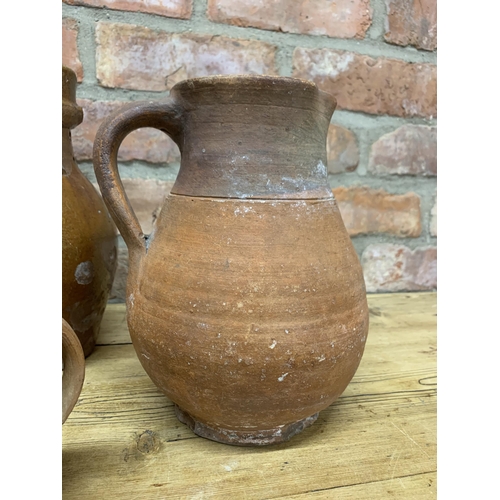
[{"x": 123, "y": 441}]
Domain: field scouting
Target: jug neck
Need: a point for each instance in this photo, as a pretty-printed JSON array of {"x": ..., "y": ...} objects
[
  {"x": 253, "y": 137},
  {"x": 69, "y": 165}
]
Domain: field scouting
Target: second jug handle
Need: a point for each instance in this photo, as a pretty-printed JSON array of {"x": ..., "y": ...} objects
[{"x": 165, "y": 115}]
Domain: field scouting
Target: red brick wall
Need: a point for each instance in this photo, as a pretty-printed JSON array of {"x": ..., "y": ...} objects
[{"x": 378, "y": 57}]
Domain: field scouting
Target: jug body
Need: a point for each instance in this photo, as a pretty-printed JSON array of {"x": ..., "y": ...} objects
[
  {"x": 246, "y": 305},
  {"x": 89, "y": 239}
]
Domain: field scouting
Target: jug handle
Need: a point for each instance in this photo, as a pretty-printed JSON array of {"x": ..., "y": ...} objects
[
  {"x": 74, "y": 369},
  {"x": 164, "y": 115}
]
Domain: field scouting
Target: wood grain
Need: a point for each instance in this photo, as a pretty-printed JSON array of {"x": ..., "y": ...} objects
[{"x": 378, "y": 440}]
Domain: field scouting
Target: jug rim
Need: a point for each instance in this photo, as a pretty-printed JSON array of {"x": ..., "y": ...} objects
[{"x": 267, "y": 80}]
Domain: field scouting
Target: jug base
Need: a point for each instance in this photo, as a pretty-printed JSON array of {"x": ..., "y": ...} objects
[{"x": 277, "y": 435}]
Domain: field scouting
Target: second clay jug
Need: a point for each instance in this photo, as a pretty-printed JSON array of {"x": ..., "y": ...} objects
[
  {"x": 89, "y": 241},
  {"x": 246, "y": 305}
]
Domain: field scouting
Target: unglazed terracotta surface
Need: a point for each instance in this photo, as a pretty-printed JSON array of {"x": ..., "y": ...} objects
[
  {"x": 74, "y": 369},
  {"x": 88, "y": 235},
  {"x": 246, "y": 305}
]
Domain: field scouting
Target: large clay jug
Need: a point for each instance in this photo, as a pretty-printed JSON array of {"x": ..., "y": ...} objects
[
  {"x": 73, "y": 369},
  {"x": 89, "y": 240},
  {"x": 246, "y": 305}
]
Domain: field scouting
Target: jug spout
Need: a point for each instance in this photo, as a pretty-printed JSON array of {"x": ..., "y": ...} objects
[{"x": 253, "y": 137}]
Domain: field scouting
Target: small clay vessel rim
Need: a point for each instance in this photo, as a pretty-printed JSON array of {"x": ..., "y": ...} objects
[
  {"x": 263, "y": 82},
  {"x": 68, "y": 72}
]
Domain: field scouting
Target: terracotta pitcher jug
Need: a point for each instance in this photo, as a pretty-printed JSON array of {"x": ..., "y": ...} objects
[
  {"x": 74, "y": 369},
  {"x": 89, "y": 237},
  {"x": 246, "y": 305}
]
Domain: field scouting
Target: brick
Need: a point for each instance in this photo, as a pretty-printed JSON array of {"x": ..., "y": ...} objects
[
  {"x": 367, "y": 211},
  {"x": 135, "y": 57},
  {"x": 147, "y": 144},
  {"x": 433, "y": 224},
  {"x": 146, "y": 197},
  {"x": 181, "y": 9},
  {"x": 412, "y": 22},
  {"x": 376, "y": 86},
  {"x": 70, "y": 54},
  {"x": 408, "y": 150},
  {"x": 340, "y": 19},
  {"x": 342, "y": 150},
  {"x": 397, "y": 268}
]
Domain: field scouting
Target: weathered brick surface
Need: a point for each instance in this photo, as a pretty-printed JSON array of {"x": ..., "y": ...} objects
[
  {"x": 397, "y": 268},
  {"x": 146, "y": 197},
  {"x": 131, "y": 55},
  {"x": 135, "y": 57},
  {"x": 340, "y": 19},
  {"x": 145, "y": 144},
  {"x": 368, "y": 211},
  {"x": 412, "y": 22},
  {"x": 70, "y": 54},
  {"x": 342, "y": 150},
  {"x": 409, "y": 150},
  {"x": 433, "y": 224},
  {"x": 169, "y": 8},
  {"x": 375, "y": 86}
]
